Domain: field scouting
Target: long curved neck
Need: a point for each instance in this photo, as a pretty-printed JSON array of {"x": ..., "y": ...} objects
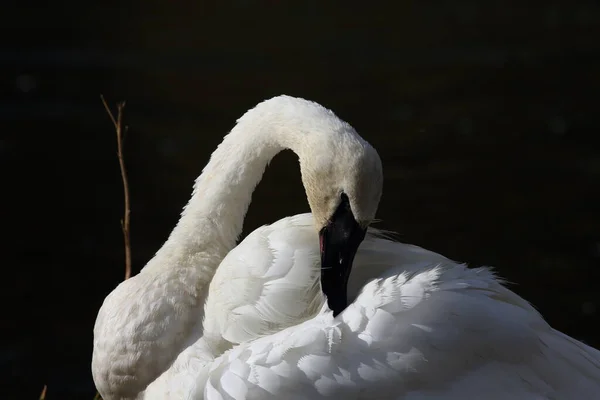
[{"x": 212, "y": 221}]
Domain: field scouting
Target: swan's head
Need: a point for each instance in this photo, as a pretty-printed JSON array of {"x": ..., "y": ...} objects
[{"x": 343, "y": 180}]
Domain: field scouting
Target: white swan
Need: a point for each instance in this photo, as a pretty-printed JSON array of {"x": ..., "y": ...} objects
[{"x": 425, "y": 328}]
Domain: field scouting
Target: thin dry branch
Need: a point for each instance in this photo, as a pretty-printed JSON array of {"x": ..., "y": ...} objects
[
  {"x": 43, "y": 394},
  {"x": 121, "y": 130}
]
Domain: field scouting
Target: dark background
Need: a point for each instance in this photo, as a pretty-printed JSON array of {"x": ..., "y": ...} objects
[{"x": 485, "y": 115}]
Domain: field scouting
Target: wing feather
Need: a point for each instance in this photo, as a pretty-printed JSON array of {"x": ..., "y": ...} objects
[
  {"x": 420, "y": 327},
  {"x": 438, "y": 332}
]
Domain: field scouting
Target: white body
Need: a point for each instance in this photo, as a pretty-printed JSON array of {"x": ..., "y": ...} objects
[
  {"x": 202, "y": 321},
  {"x": 427, "y": 328}
]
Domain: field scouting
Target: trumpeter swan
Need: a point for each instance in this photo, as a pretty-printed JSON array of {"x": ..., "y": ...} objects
[{"x": 419, "y": 325}]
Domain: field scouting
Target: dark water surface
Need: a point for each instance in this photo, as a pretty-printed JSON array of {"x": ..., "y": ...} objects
[{"x": 485, "y": 116}]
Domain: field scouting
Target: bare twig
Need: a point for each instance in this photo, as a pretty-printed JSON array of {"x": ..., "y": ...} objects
[
  {"x": 43, "y": 394},
  {"x": 121, "y": 130}
]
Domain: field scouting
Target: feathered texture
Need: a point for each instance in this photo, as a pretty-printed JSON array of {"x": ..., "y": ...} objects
[{"x": 422, "y": 327}]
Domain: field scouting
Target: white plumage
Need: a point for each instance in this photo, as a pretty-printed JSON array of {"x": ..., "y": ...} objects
[{"x": 419, "y": 325}]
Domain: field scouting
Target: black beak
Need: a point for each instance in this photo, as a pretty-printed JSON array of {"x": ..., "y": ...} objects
[{"x": 339, "y": 240}]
